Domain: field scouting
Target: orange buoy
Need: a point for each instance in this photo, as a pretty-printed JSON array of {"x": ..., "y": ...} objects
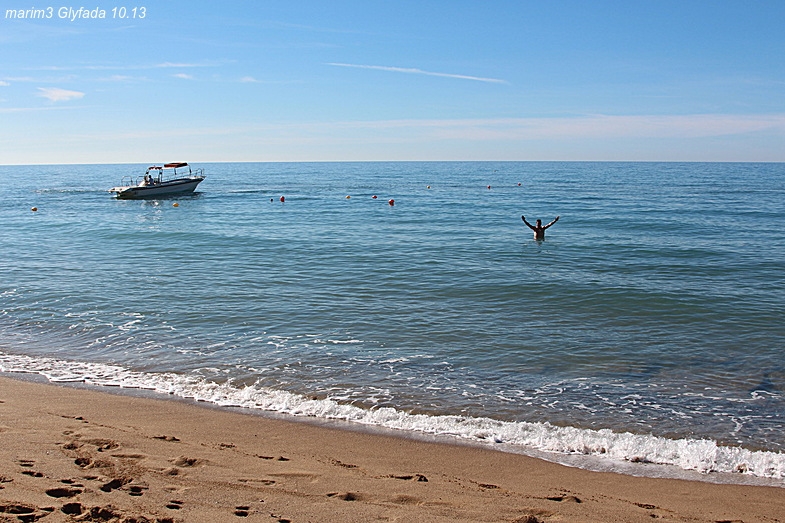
[
  {"x": 34, "y": 209},
  {"x": 391, "y": 202},
  {"x": 348, "y": 197},
  {"x": 175, "y": 204}
]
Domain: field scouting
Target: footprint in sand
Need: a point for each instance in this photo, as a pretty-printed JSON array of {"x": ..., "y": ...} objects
[
  {"x": 487, "y": 486},
  {"x": 167, "y": 438},
  {"x": 112, "y": 485},
  {"x": 136, "y": 490},
  {"x": 279, "y": 458},
  {"x": 83, "y": 462},
  {"x": 342, "y": 464},
  {"x": 528, "y": 518},
  {"x": 182, "y": 461},
  {"x": 174, "y": 504},
  {"x": 345, "y": 496},
  {"x": 408, "y": 477},
  {"x": 72, "y": 445},
  {"x": 24, "y": 512},
  {"x": 102, "y": 444},
  {"x": 562, "y": 499},
  {"x": 72, "y": 509},
  {"x": 63, "y": 492}
]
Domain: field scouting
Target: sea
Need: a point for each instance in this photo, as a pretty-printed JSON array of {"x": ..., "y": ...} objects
[{"x": 644, "y": 335}]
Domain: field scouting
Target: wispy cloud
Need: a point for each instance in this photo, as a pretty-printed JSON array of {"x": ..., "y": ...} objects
[
  {"x": 183, "y": 76},
  {"x": 34, "y": 109},
  {"x": 118, "y": 78},
  {"x": 55, "y": 94},
  {"x": 414, "y": 70},
  {"x": 4, "y": 83},
  {"x": 609, "y": 126},
  {"x": 125, "y": 67},
  {"x": 249, "y": 80},
  {"x": 182, "y": 64}
]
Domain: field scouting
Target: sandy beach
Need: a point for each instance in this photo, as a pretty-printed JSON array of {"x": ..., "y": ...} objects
[{"x": 70, "y": 454}]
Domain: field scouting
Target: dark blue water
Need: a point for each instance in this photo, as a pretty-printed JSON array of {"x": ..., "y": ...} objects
[{"x": 648, "y": 326}]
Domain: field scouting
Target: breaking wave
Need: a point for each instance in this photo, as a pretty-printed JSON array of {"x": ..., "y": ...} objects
[{"x": 700, "y": 455}]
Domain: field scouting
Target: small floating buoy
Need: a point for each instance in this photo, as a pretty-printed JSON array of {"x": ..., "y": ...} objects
[
  {"x": 348, "y": 197},
  {"x": 428, "y": 187},
  {"x": 282, "y": 199},
  {"x": 374, "y": 196},
  {"x": 175, "y": 204},
  {"x": 34, "y": 209},
  {"x": 391, "y": 202},
  {"x": 519, "y": 184},
  {"x": 489, "y": 187}
]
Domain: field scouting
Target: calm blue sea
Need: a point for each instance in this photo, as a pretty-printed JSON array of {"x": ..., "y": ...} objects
[{"x": 647, "y": 329}]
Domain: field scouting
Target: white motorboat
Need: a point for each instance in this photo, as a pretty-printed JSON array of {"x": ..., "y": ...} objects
[{"x": 159, "y": 181}]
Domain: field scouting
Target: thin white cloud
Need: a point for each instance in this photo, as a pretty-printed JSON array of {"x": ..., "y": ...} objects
[
  {"x": 118, "y": 78},
  {"x": 55, "y": 94},
  {"x": 179, "y": 64},
  {"x": 33, "y": 109},
  {"x": 119, "y": 67},
  {"x": 4, "y": 83},
  {"x": 595, "y": 127},
  {"x": 578, "y": 127},
  {"x": 604, "y": 126},
  {"x": 183, "y": 76},
  {"x": 413, "y": 70},
  {"x": 249, "y": 80}
]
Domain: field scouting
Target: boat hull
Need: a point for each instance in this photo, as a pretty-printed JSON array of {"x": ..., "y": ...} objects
[{"x": 183, "y": 185}]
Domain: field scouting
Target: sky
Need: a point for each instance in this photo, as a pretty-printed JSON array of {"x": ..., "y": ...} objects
[{"x": 373, "y": 80}]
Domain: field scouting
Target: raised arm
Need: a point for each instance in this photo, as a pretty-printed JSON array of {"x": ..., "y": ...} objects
[
  {"x": 529, "y": 225},
  {"x": 554, "y": 221}
]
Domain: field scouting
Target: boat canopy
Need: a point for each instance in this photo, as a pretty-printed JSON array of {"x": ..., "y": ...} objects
[{"x": 175, "y": 165}]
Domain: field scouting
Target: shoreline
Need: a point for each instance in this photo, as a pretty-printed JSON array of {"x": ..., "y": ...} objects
[
  {"x": 599, "y": 450},
  {"x": 72, "y": 454}
]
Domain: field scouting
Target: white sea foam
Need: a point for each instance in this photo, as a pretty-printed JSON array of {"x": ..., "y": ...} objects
[{"x": 701, "y": 455}]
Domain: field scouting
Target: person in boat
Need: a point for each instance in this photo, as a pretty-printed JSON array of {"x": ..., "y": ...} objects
[
  {"x": 539, "y": 228},
  {"x": 148, "y": 180}
]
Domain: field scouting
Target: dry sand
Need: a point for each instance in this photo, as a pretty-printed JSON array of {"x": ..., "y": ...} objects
[{"x": 70, "y": 454}]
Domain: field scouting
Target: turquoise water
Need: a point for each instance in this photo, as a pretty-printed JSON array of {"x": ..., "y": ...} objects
[{"x": 647, "y": 327}]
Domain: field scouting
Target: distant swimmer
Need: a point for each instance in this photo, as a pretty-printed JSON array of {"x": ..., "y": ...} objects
[{"x": 539, "y": 229}]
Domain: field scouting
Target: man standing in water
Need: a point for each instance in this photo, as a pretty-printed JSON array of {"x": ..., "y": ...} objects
[{"x": 539, "y": 229}]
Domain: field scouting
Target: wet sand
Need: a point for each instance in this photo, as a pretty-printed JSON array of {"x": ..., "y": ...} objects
[{"x": 69, "y": 454}]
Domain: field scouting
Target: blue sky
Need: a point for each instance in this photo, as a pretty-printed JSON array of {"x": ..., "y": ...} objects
[{"x": 394, "y": 80}]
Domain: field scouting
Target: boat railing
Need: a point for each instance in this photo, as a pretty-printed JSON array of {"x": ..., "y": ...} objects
[
  {"x": 161, "y": 177},
  {"x": 168, "y": 175}
]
